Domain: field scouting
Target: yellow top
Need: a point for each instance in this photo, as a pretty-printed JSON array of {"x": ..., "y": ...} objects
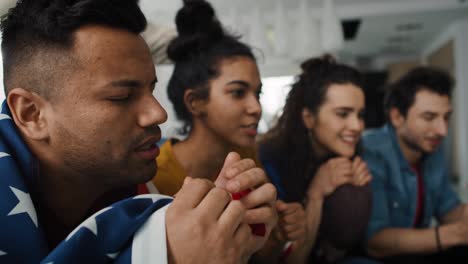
[{"x": 170, "y": 175}]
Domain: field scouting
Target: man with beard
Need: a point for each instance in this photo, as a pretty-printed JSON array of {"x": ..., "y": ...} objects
[{"x": 410, "y": 183}]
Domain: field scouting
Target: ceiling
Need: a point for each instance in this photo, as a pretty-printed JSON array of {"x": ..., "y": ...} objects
[
  {"x": 402, "y": 34},
  {"x": 385, "y": 28}
]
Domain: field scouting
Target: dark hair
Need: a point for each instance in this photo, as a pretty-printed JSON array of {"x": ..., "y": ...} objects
[
  {"x": 197, "y": 51},
  {"x": 289, "y": 136},
  {"x": 401, "y": 94},
  {"x": 38, "y": 34}
]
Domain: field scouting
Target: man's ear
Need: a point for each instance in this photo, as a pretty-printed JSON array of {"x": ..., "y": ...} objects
[
  {"x": 308, "y": 118},
  {"x": 28, "y": 112},
  {"x": 194, "y": 104},
  {"x": 396, "y": 118}
]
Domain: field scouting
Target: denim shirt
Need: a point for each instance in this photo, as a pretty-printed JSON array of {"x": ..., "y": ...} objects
[{"x": 394, "y": 183}]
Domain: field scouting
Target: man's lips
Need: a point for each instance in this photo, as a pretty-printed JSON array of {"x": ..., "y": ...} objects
[
  {"x": 434, "y": 141},
  {"x": 150, "y": 153},
  {"x": 149, "y": 149}
]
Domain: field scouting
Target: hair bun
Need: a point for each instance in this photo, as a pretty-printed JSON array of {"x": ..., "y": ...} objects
[
  {"x": 318, "y": 64},
  {"x": 198, "y": 28},
  {"x": 197, "y": 16}
]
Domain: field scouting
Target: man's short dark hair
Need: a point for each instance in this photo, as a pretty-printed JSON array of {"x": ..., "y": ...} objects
[
  {"x": 38, "y": 35},
  {"x": 401, "y": 94}
]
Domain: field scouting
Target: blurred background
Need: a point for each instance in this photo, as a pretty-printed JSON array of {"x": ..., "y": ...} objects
[{"x": 382, "y": 38}]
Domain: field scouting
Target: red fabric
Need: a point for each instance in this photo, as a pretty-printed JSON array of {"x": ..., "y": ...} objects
[
  {"x": 420, "y": 202},
  {"x": 257, "y": 229},
  {"x": 286, "y": 252},
  {"x": 142, "y": 189}
]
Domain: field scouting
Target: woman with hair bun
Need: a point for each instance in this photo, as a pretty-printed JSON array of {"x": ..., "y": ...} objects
[
  {"x": 214, "y": 88},
  {"x": 311, "y": 156}
]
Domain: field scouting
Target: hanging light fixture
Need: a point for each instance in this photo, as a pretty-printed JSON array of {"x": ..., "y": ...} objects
[
  {"x": 332, "y": 32},
  {"x": 307, "y": 34}
]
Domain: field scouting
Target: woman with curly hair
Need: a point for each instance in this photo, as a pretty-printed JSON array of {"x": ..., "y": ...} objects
[{"x": 311, "y": 156}]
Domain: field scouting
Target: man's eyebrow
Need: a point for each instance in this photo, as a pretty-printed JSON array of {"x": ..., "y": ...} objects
[
  {"x": 428, "y": 112},
  {"x": 126, "y": 83},
  {"x": 130, "y": 83}
]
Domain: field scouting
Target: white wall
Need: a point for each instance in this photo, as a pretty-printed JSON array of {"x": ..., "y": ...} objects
[{"x": 458, "y": 32}]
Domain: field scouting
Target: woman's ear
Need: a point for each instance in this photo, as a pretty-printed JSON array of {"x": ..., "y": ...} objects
[
  {"x": 308, "y": 118},
  {"x": 194, "y": 104},
  {"x": 28, "y": 113}
]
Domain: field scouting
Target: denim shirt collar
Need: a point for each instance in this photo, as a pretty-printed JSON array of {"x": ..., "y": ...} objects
[
  {"x": 404, "y": 164},
  {"x": 429, "y": 162}
]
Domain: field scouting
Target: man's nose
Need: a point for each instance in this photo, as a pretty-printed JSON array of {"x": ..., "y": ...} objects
[{"x": 151, "y": 112}]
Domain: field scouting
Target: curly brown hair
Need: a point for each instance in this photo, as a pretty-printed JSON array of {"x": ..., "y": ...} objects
[{"x": 287, "y": 143}]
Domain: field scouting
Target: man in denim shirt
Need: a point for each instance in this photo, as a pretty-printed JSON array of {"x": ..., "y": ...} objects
[{"x": 410, "y": 181}]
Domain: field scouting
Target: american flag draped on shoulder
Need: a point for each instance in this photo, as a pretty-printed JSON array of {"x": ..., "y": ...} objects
[{"x": 130, "y": 231}]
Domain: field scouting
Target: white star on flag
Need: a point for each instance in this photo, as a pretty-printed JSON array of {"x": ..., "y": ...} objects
[
  {"x": 153, "y": 197},
  {"x": 89, "y": 224},
  {"x": 3, "y": 154},
  {"x": 2, "y": 253},
  {"x": 25, "y": 205},
  {"x": 3, "y": 116},
  {"x": 113, "y": 255}
]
